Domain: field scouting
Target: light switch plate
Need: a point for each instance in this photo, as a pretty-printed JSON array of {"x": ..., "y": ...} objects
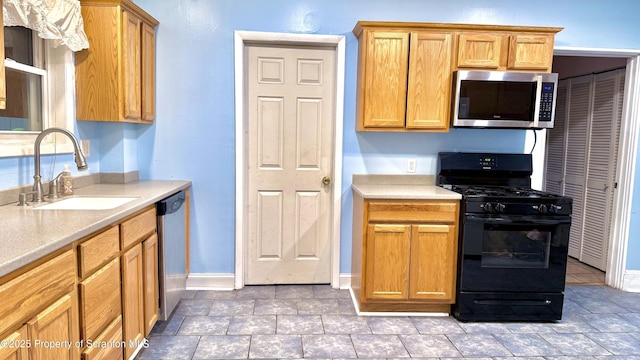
[{"x": 85, "y": 146}]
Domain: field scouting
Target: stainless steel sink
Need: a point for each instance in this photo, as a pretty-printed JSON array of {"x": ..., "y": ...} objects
[{"x": 86, "y": 203}]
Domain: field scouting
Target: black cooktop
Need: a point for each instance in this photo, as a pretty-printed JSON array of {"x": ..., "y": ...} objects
[
  {"x": 512, "y": 201},
  {"x": 502, "y": 192}
]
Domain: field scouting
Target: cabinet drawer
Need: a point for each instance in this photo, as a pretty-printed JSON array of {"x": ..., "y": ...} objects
[
  {"x": 423, "y": 211},
  {"x": 111, "y": 335},
  {"x": 138, "y": 227},
  {"x": 25, "y": 294},
  {"x": 100, "y": 299},
  {"x": 97, "y": 250}
]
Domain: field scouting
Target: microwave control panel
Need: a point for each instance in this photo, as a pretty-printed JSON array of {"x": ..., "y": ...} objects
[{"x": 546, "y": 101}]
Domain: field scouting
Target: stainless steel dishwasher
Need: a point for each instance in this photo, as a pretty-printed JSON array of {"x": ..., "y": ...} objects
[{"x": 172, "y": 252}]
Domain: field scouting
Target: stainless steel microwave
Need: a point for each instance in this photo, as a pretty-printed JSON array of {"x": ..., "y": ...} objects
[{"x": 499, "y": 99}]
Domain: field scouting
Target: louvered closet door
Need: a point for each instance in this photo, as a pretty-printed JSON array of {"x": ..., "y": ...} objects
[
  {"x": 601, "y": 169},
  {"x": 579, "y": 103},
  {"x": 556, "y": 140}
]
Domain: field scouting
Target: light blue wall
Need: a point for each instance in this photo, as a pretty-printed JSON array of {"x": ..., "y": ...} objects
[{"x": 193, "y": 137}]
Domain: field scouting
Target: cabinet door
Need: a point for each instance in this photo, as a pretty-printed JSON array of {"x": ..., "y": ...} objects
[
  {"x": 479, "y": 51},
  {"x": 132, "y": 298},
  {"x": 16, "y": 345},
  {"x": 57, "y": 323},
  {"x": 433, "y": 262},
  {"x": 387, "y": 261},
  {"x": 386, "y": 63},
  {"x": 530, "y": 52},
  {"x": 148, "y": 73},
  {"x": 151, "y": 298},
  {"x": 131, "y": 71},
  {"x": 429, "y": 91}
]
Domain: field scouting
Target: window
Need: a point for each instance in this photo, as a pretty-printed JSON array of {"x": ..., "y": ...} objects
[
  {"x": 39, "y": 84},
  {"x": 24, "y": 76}
]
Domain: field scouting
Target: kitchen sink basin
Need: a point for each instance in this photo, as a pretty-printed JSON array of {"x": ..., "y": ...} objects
[{"x": 86, "y": 203}]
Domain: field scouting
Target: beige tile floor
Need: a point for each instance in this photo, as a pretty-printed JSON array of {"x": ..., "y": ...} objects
[{"x": 582, "y": 274}]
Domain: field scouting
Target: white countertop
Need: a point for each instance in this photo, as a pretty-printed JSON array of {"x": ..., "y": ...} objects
[
  {"x": 29, "y": 234},
  {"x": 405, "y": 192},
  {"x": 405, "y": 187}
]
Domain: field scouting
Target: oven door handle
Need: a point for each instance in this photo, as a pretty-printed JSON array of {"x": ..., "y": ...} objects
[{"x": 520, "y": 220}]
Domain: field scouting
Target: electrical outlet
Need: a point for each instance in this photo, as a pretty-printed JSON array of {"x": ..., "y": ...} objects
[
  {"x": 411, "y": 165},
  {"x": 85, "y": 146}
]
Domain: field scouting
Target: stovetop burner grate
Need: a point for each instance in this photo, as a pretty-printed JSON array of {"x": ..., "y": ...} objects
[{"x": 502, "y": 191}]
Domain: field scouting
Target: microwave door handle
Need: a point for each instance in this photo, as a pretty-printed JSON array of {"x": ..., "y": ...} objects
[{"x": 536, "y": 113}]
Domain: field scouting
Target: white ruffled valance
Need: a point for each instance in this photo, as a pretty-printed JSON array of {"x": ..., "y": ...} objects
[{"x": 57, "y": 20}]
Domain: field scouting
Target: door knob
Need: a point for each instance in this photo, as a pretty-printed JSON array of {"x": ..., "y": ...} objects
[{"x": 326, "y": 180}]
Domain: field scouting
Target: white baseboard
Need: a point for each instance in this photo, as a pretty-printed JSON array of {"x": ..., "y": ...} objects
[
  {"x": 631, "y": 281},
  {"x": 225, "y": 281},
  {"x": 209, "y": 281},
  {"x": 215, "y": 281},
  {"x": 345, "y": 281}
]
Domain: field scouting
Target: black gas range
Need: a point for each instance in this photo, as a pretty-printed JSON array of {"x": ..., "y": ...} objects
[{"x": 513, "y": 240}]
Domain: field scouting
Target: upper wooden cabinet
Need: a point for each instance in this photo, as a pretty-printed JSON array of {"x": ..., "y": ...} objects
[
  {"x": 115, "y": 77},
  {"x": 495, "y": 51},
  {"x": 384, "y": 62},
  {"x": 405, "y": 69},
  {"x": 402, "y": 77},
  {"x": 429, "y": 81}
]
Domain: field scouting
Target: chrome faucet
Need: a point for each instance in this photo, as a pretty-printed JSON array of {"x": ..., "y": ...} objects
[{"x": 37, "y": 178}]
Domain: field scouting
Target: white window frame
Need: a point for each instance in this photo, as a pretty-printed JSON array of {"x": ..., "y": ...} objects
[{"x": 58, "y": 105}]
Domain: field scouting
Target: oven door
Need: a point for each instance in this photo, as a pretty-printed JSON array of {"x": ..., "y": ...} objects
[{"x": 507, "y": 253}]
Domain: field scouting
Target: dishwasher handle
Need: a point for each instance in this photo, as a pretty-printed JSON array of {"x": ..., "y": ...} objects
[{"x": 171, "y": 204}]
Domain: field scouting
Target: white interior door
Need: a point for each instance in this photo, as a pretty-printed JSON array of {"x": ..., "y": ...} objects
[
  {"x": 601, "y": 167},
  {"x": 290, "y": 152},
  {"x": 577, "y": 128},
  {"x": 582, "y": 157}
]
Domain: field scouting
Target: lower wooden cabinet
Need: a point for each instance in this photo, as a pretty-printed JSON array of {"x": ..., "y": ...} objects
[
  {"x": 410, "y": 262},
  {"x": 139, "y": 279},
  {"x": 132, "y": 298},
  {"x": 15, "y": 345},
  {"x": 54, "y": 332},
  {"x": 51, "y": 334},
  {"x": 102, "y": 290},
  {"x": 151, "y": 295},
  {"x": 404, "y": 254},
  {"x": 433, "y": 263},
  {"x": 39, "y": 311}
]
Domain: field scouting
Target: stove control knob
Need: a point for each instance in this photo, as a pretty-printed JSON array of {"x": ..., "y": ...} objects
[
  {"x": 553, "y": 209},
  {"x": 487, "y": 207},
  {"x": 542, "y": 209},
  {"x": 499, "y": 208}
]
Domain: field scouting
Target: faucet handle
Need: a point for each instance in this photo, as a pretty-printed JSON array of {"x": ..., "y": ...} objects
[
  {"x": 53, "y": 188},
  {"x": 22, "y": 198}
]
